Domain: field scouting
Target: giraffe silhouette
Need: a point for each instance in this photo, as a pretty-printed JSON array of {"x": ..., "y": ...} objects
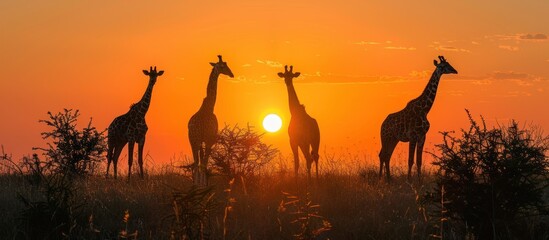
[
  {"x": 410, "y": 124},
  {"x": 203, "y": 124},
  {"x": 303, "y": 129},
  {"x": 131, "y": 128}
]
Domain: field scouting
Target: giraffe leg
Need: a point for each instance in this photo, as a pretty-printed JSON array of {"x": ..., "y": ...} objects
[
  {"x": 202, "y": 154},
  {"x": 140, "y": 147},
  {"x": 315, "y": 145},
  {"x": 380, "y": 165},
  {"x": 419, "y": 157},
  {"x": 316, "y": 166},
  {"x": 411, "y": 154},
  {"x": 116, "y": 155},
  {"x": 130, "y": 158},
  {"x": 308, "y": 160},
  {"x": 110, "y": 154},
  {"x": 204, "y": 164},
  {"x": 315, "y": 157},
  {"x": 196, "y": 158},
  {"x": 387, "y": 148},
  {"x": 296, "y": 158}
]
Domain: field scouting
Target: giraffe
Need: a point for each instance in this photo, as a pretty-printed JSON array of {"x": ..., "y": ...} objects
[
  {"x": 410, "y": 124},
  {"x": 203, "y": 124},
  {"x": 303, "y": 129},
  {"x": 131, "y": 128}
]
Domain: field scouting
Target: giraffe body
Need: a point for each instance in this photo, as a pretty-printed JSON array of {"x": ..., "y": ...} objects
[
  {"x": 203, "y": 126},
  {"x": 203, "y": 129},
  {"x": 303, "y": 130},
  {"x": 411, "y": 124},
  {"x": 131, "y": 128},
  {"x": 305, "y": 135}
]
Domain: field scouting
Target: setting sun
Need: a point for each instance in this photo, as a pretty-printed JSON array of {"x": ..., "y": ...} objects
[{"x": 272, "y": 123}]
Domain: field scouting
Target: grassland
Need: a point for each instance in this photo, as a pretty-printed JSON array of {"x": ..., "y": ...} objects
[{"x": 351, "y": 200}]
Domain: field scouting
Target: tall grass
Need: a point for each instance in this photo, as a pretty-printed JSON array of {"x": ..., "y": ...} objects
[{"x": 348, "y": 198}]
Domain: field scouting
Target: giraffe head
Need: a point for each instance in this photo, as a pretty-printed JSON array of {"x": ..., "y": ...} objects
[
  {"x": 444, "y": 66},
  {"x": 153, "y": 74},
  {"x": 222, "y": 67},
  {"x": 288, "y": 75}
]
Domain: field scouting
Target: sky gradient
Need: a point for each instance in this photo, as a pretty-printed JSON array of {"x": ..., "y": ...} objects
[{"x": 359, "y": 62}]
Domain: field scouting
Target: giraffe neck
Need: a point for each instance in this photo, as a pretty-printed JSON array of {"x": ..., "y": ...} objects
[
  {"x": 141, "y": 107},
  {"x": 427, "y": 98},
  {"x": 292, "y": 98},
  {"x": 208, "y": 103}
]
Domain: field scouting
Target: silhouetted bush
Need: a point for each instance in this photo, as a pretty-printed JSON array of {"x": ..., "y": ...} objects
[
  {"x": 493, "y": 181},
  {"x": 31, "y": 168},
  {"x": 239, "y": 152},
  {"x": 52, "y": 213},
  {"x": 71, "y": 150}
]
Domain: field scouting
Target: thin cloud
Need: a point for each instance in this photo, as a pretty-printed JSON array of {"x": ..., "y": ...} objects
[
  {"x": 522, "y": 82},
  {"x": 400, "y": 48},
  {"x": 482, "y": 82},
  {"x": 316, "y": 74},
  {"x": 238, "y": 79},
  {"x": 475, "y": 43},
  {"x": 512, "y": 94},
  {"x": 367, "y": 43},
  {"x": 520, "y": 79},
  {"x": 423, "y": 73},
  {"x": 386, "y": 43},
  {"x": 247, "y": 65},
  {"x": 455, "y": 93},
  {"x": 536, "y": 37},
  {"x": 501, "y": 37},
  {"x": 509, "y": 75},
  {"x": 450, "y": 49},
  {"x": 342, "y": 79},
  {"x": 270, "y": 63},
  {"x": 509, "y": 48}
]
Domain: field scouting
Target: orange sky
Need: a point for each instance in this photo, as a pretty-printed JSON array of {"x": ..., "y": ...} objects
[{"x": 360, "y": 61}]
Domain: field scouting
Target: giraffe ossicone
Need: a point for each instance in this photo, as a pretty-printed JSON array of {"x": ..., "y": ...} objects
[
  {"x": 303, "y": 130},
  {"x": 203, "y": 126},
  {"x": 410, "y": 124},
  {"x": 131, "y": 128}
]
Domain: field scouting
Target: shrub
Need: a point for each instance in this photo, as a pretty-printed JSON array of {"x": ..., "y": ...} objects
[
  {"x": 70, "y": 150},
  {"x": 239, "y": 152},
  {"x": 492, "y": 180},
  {"x": 70, "y": 153}
]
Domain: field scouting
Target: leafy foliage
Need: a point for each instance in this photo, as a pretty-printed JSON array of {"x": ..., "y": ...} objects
[
  {"x": 71, "y": 150},
  {"x": 239, "y": 152},
  {"x": 492, "y": 180},
  {"x": 192, "y": 211},
  {"x": 70, "y": 153},
  {"x": 303, "y": 214}
]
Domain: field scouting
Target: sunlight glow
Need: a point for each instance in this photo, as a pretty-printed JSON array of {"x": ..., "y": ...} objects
[{"x": 272, "y": 123}]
